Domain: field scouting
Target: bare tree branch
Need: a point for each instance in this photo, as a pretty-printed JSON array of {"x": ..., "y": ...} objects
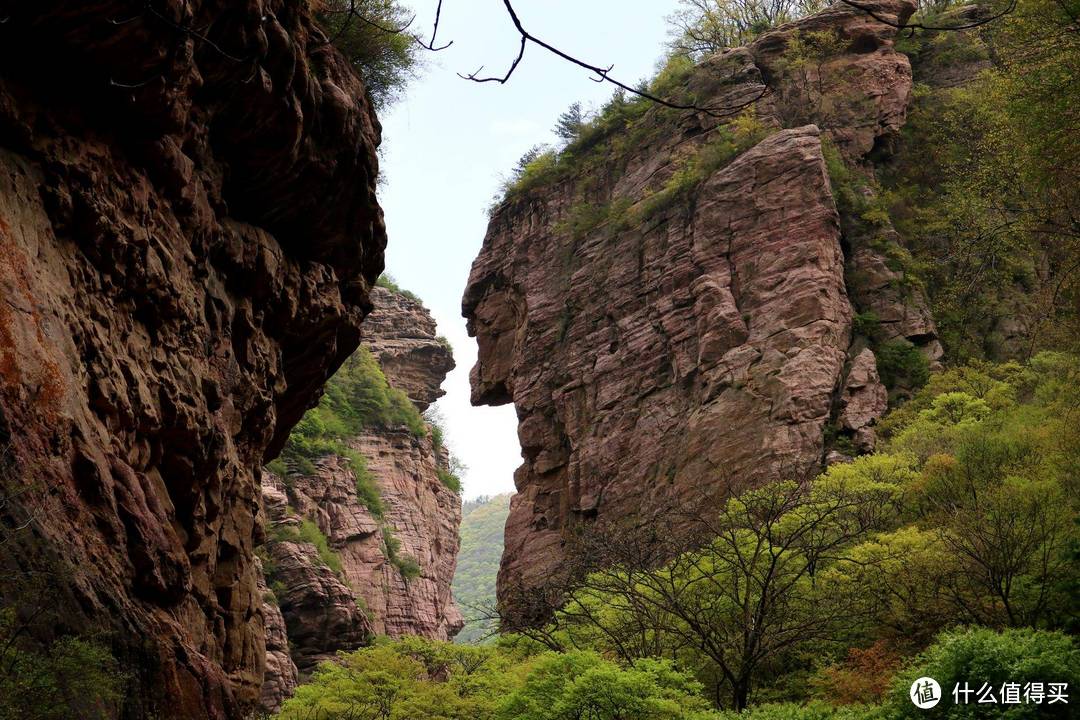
[{"x": 602, "y": 74}]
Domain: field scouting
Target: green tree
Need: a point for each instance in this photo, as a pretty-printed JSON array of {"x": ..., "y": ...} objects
[
  {"x": 702, "y": 27},
  {"x": 976, "y": 656},
  {"x": 70, "y": 678},
  {"x": 736, "y": 603},
  {"x": 569, "y": 125},
  {"x": 573, "y": 685},
  {"x": 373, "y": 35}
]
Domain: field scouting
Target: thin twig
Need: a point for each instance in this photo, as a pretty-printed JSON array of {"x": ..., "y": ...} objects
[{"x": 602, "y": 74}]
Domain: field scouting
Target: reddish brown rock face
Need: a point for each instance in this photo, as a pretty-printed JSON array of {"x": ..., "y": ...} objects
[
  {"x": 401, "y": 334},
  {"x": 423, "y": 516},
  {"x": 281, "y": 676},
  {"x": 662, "y": 358},
  {"x": 325, "y": 613},
  {"x": 188, "y": 229}
]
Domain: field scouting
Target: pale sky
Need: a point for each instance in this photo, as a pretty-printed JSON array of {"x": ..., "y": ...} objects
[{"x": 447, "y": 143}]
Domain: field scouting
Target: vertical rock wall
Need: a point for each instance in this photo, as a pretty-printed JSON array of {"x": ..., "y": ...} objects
[
  {"x": 679, "y": 349},
  {"x": 372, "y": 595},
  {"x": 188, "y": 233}
]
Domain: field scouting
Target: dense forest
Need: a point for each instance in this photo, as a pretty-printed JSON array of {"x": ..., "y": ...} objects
[{"x": 482, "y": 523}]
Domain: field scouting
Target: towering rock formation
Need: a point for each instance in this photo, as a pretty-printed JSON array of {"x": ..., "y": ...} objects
[
  {"x": 664, "y": 339},
  {"x": 396, "y": 569},
  {"x": 188, "y": 234}
]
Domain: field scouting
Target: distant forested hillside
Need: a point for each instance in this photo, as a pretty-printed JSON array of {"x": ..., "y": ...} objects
[{"x": 478, "y": 562}]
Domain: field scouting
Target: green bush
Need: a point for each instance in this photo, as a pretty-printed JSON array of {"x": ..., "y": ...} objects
[
  {"x": 405, "y": 564},
  {"x": 979, "y": 655},
  {"x": 306, "y": 532},
  {"x": 386, "y": 280},
  {"x": 867, "y": 324},
  {"x": 71, "y": 677},
  {"x": 583, "y": 685},
  {"x": 310, "y": 533},
  {"x": 449, "y": 479},
  {"x": 901, "y": 363},
  {"x": 812, "y": 711},
  {"x": 386, "y": 60}
]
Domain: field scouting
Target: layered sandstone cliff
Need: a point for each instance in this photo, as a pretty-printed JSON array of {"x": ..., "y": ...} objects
[
  {"x": 397, "y": 565},
  {"x": 188, "y": 233},
  {"x": 662, "y": 343}
]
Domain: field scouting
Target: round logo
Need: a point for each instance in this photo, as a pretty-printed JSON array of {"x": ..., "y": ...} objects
[{"x": 925, "y": 693}]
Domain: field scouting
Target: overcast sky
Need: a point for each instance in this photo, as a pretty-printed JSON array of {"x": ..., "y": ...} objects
[{"x": 447, "y": 143}]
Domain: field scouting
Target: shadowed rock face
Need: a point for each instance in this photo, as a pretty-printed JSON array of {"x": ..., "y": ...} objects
[
  {"x": 663, "y": 357},
  {"x": 188, "y": 232},
  {"x": 281, "y": 676}
]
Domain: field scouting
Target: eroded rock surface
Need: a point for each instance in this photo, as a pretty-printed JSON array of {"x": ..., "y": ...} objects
[
  {"x": 675, "y": 350},
  {"x": 420, "y": 516},
  {"x": 402, "y": 336},
  {"x": 281, "y": 676},
  {"x": 863, "y": 400},
  {"x": 188, "y": 232}
]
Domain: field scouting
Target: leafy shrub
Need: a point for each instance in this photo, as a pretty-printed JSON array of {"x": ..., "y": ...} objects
[
  {"x": 980, "y": 655},
  {"x": 386, "y": 60},
  {"x": 863, "y": 677},
  {"x": 867, "y": 324},
  {"x": 387, "y": 281},
  {"x": 536, "y": 167},
  {"x": 901, "y": 363},
  {"x": 306, "y": 532},
  {"x": 812, "y": 711},
  {"x": 408, "y": 567},
  {"x": 71, "y": 677},
  {"x": 582, "y": 684},
  {"x": 672, "y": 75},
  {"x": 449, "y": 479},
  {"x": 310, "y": 533},
  {"x": 405, "y": 564}
]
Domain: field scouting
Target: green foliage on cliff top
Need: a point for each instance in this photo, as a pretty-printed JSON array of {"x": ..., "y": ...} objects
[
  {"x": 356, "y": 398},
  {"x": 482, "y": 524},
  {"x": 386, "y": 280},
  {"x": 386, "y": 60}
]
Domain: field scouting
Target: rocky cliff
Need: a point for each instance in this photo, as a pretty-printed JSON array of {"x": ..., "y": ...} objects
[
  {"x": 679, "y": 308},
  {"x": 188, "y": 233},
  {"x": 394, "y": 562}
]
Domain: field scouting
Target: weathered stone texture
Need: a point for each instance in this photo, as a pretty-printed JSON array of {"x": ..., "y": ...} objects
[
  {"x": 661, "y": 358},
  {"x": 402, "y": 336},
  {"x": 419, "y": 511},
  {"x": 188, "y": 231}
]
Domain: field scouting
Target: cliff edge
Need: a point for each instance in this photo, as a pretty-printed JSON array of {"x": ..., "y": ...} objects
[
  {"x": 188, "y": 234},
  {"x": 671, "y": 302}
]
